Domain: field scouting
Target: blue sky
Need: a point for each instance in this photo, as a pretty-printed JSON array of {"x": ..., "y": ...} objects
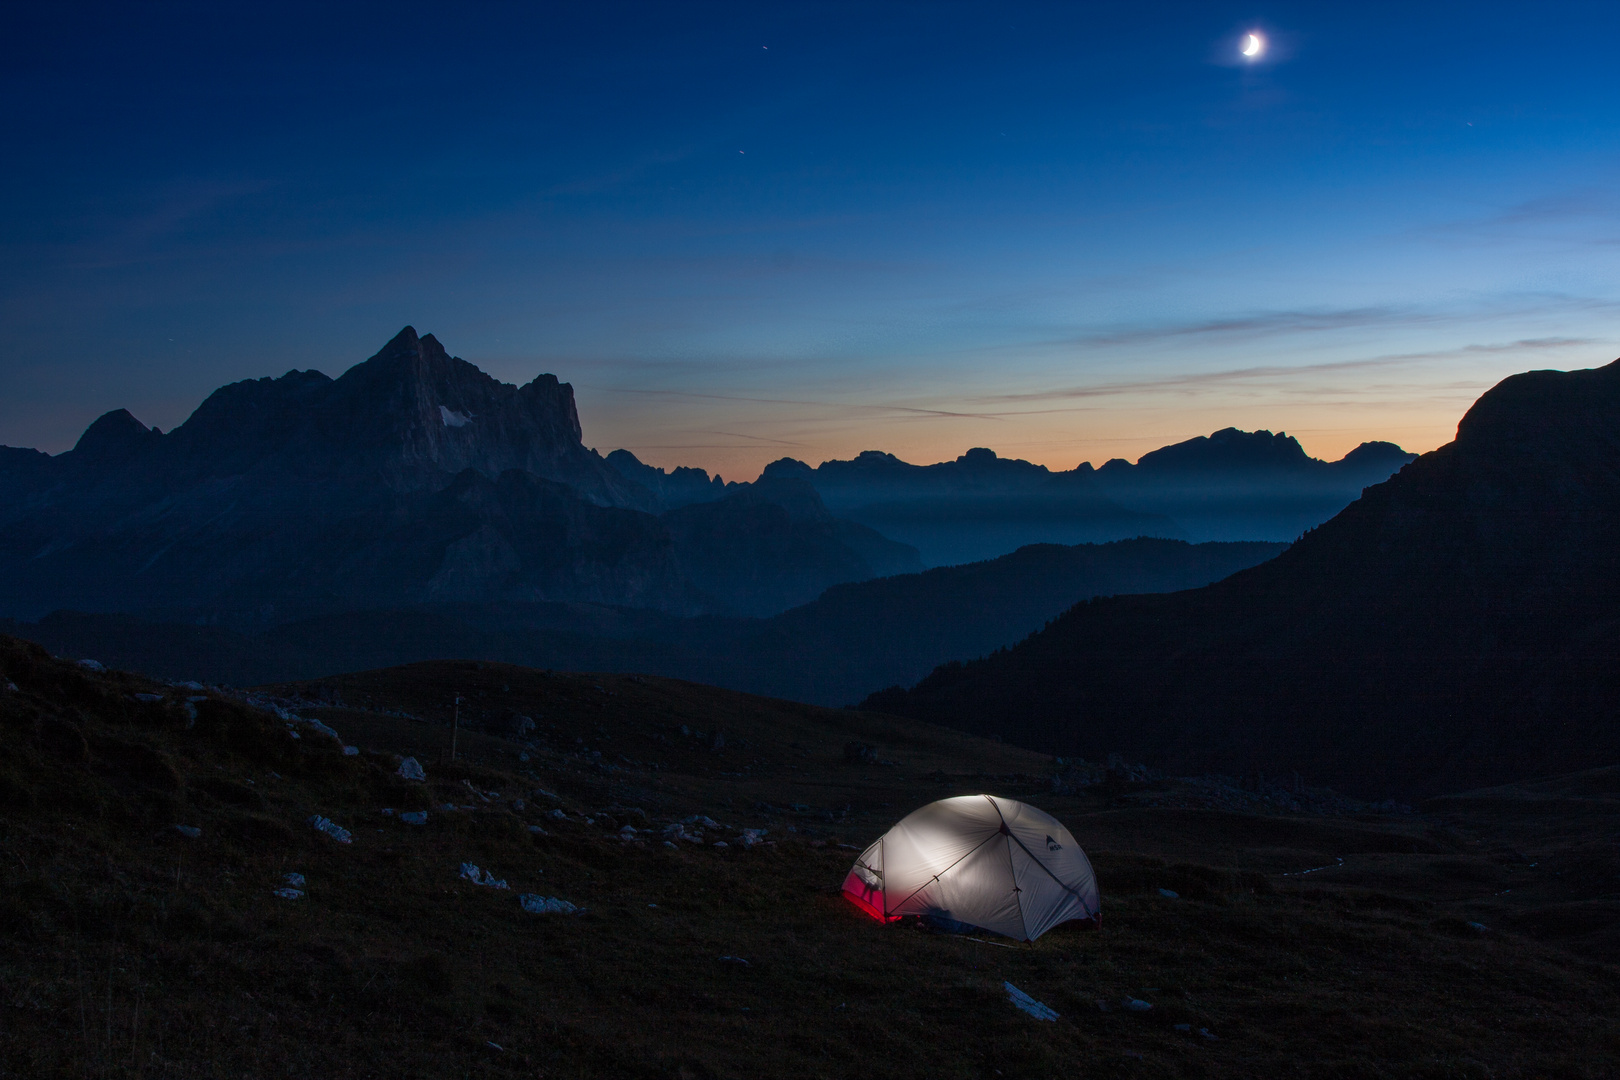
[{"x": 1068, "y": 232}]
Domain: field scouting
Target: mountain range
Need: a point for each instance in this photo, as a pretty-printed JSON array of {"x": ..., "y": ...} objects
[
  {"x": 1232, "y": 485},
  {"x": 1458, "y": 625},
  {"x": 414, "y": 477}
]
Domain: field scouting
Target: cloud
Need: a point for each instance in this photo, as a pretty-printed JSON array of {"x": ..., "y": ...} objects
[
  {"x": 838, "y": 405},
  {"x": 1191, "y": 381}
]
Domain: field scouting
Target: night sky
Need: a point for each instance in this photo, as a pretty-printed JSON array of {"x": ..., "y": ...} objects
[{"x": 1067, "y": 232}]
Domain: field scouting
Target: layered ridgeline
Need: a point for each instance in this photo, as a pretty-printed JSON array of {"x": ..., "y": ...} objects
[
  {"x": 1232, "y": 485},
  {"x": 413, "y": 478},
  {"x": 1457, "y": 625},
  {"x": 854, "y": 639}
]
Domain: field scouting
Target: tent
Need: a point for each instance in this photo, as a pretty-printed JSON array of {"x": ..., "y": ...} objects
[{"x": 980, "y": 861}]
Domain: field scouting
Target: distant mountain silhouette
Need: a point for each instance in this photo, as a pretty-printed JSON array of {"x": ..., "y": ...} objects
[
  {"x": 679, "y": 487},
  {"x": 413, "y": 478},
  {"x": 1458, "y": 625},
  {"x": 1232, "y": 485},
  {"x": 1242, "y": 484},
  {"x": 853, "y": 639}
]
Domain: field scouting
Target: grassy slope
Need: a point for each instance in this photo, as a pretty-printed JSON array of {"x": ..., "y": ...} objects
[{"x": 128, "y": 949}]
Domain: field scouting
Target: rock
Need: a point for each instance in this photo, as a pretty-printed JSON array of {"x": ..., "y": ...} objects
[
  {"x": 481, "y": 877},
  {"x": 1169, "y": 894},
  {"x": 736, "y": 960},
  {"x": 1027, "y": 1003},
  {"x": 414, "y": 817},
  {"x": 536, "y": 904},
  {"x": 1136, "y": 1005},
  {"x": 290, "y": 894},
  {"x": 411, "y": 769},
  {"x": 188, "y": 830},
  {"x": 92, "y": 665},
  {"x": 331, "y": 828},
  {"x": 295, "y": 880}
]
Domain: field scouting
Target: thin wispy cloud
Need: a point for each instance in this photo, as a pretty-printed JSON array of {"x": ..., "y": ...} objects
[{"x": 1205, "y": 379}]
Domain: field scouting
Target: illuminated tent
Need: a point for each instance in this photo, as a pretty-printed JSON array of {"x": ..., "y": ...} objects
[{"x": 979, "y": 861}]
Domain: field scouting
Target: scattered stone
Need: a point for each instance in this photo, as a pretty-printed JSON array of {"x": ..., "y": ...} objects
[
  {"x": 1169, "y": 894},
  {"x": 188, "y": 830},
  {"x": 148, "y": 697},
  {"x": 414, "y": 817},
  {"x": 737, "y": 960},
  {"x": 559, "y": 814},
  {"x": 538, "y": 831},
  {"x": 669, "y": 844},
  {"x": 1136, "y": 1005},
  {"x": 1027, "y": 1003},
  {"x": 481, "y": 877},
  {"x": 750, "y": 837},
  {"x": 1479, "y": 928},
  {"x": 323, "y": 729},
  {"x": 351, "y": 751},
  {"x": 12, "y": 687},
  {"x": 290, "y": 894},
  {"x": 699, "y": 819},
  {"x": 1184, "y": 1028},
  {"x": 331, "y": 828},
  {"x": 92, "y": 665},
  {"x": 411, "y": 769},
  {"x": 535, "y": 904},
  {"x": 1207, "y": 1034},
  {"x": 721, "y": 844},
  {"x": 627, "y": 833},
  {"x": 295, "y": 880}
]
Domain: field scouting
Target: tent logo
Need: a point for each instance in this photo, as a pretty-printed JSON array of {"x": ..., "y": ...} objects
[{"x": 1053, "y": 845}]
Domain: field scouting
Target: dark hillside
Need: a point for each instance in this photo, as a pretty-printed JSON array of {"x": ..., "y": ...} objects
[
  {"x": 1456, "y": 626},
  {"x": 131, "y": 948},
  {"x": 854, "y": 639}
]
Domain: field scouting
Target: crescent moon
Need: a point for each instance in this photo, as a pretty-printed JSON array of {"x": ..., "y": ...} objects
[{"x": 1253, "y": 44}]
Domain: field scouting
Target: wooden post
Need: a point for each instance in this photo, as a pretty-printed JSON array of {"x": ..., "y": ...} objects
[{"x": 455, "y": 728}]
